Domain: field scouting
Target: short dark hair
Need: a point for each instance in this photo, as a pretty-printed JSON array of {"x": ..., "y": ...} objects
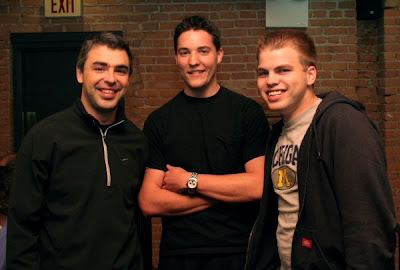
[
  {"x": 197, "y": 23},
  {"x": 5, "y": 181},
  {"x": 104, "y": 38},
  {"x": 294, "y": 38}
]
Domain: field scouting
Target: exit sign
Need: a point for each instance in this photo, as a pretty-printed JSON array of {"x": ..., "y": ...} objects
[{"x": 62, "y": 8}]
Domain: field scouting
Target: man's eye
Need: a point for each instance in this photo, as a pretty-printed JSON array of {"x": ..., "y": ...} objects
[
  {"x": 204, "y": 51},
  {"x": 262, "y": 74},
  {"x": 183, "y": 53},
  {"x": 283, "y": 70},
  {"x": 98, "y": 68},
  {"x": 122, "y": 71}
]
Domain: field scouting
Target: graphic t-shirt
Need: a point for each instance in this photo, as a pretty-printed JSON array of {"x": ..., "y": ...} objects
[{"x": 284, "y": 179}]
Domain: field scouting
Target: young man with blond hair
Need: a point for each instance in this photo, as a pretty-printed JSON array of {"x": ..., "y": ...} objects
[{"x": 327, "y": 202}]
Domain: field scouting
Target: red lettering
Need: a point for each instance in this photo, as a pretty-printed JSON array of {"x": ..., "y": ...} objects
[
  {"x": 52, "y": 7},
  {"x": 61, "y": 9},
  {"x": 66, "y": 6}
]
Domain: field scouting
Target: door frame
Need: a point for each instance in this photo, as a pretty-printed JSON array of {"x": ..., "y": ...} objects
[{"x": 35, "y": 42}]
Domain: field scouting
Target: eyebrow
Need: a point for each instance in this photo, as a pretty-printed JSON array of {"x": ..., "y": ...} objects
[
  {"x": 99, "y": 64},
  {"x": 284, "y": 66},
  {"x": 204, "y": 47},
  {"x": 199, "y": 48},
  {"x": 277, "y": 67},
  {"x": 104, "y": 64}
]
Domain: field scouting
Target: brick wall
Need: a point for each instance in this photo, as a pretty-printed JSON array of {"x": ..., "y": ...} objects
[
  {"x": 358, "y": 58},
  {"x": 389, "y": 89}
]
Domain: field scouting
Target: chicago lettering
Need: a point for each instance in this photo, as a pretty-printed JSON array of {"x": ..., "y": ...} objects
[{"x": 286, "y": 155}]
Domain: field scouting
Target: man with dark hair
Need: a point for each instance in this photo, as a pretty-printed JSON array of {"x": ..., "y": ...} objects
[
  {"x": 327, "y": 202},
  {"x": 205, "y": 170},
  {"x": 73, "y": 198}
]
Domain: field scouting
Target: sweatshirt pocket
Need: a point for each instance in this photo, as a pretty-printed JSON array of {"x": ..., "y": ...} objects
[{"x": 306, "y": 251}]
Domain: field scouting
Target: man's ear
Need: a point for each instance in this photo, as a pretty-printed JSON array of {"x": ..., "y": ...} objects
[
  {"x": 220, "y": 54},
  {"x": 176, "y": 58},
  {"x": 311, "y": 75},
  {"x": 79, "y": 75}
]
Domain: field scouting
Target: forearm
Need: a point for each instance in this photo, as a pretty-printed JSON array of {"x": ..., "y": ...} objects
[
  {"x": 156, "y": 201},
  {"x": 239, "y": 187},
  {"x": 167, "y": 203}
]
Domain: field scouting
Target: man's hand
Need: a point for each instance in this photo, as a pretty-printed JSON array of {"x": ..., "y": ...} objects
[{"x": 175, "y": 179}]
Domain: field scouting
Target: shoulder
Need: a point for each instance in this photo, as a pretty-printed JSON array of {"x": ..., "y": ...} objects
[
  {"x": 50, "y": 124},
  {"x": 239, "y": 100},
  {"x": 236, "y": 96},
  {"x": 42, "y": 136},
  {"x": 160, "y": 116},
  {"x": 344, "y": 114},
  {"x": 132, "y": 129},
  {"x": 175, "y": 101},
  {"x": 346, "y": 123}
]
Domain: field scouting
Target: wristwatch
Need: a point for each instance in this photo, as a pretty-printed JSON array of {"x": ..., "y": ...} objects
[{"x": 192, "y": 183}]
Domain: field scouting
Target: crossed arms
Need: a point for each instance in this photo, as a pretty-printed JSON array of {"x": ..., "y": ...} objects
[{"x": 163, "y": 193}]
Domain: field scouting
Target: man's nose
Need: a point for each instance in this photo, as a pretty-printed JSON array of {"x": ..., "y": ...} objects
[{"x": 110, "y": 76}]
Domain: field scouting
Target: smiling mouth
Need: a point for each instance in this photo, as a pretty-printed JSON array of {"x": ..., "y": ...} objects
[
  {"x": 275, "y": 93},
  {"x": 195, "y": 71},
  {"x": 108, "y": 91}
]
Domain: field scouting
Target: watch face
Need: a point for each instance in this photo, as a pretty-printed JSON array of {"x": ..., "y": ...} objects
[{"x": 192, "y": 183}]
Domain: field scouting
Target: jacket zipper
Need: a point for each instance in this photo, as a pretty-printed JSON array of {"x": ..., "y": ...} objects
[
  {"x": 105, "y": 150},
  {"x": 313, "y": 132},
  {"x": 253, "y": 229}
]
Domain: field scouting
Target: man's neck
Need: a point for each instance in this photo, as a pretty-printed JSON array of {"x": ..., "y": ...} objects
[
  {"x": 105, "y": 121},
  {"x": 308, "y": 101},
  {"x": 209, "y": 91}
]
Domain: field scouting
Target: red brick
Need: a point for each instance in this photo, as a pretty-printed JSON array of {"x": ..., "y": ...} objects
[
  {"x": 197, "y": 7},
  {"x": 392, "y": 12},
  {"x": 321, "y": 22},
  {"x": 229, "y": 15},
  {"x": 120, "y": 10},
  {"x": 347, "y": 5},
  {"x": 32, "y": 2},
  {"x": 9, "y": 19},
  {"x": 248, "y": 6},
  {"x": 323, "y": 5},
  {"x": 4, "y": 10},
  {"x": 345, "y": 57},
  {"x": 319, "y": 14},
  {"x": 145, "y": 8},
  {"x": 172, "y": 8},
  {"x": 249, "y": 23}
]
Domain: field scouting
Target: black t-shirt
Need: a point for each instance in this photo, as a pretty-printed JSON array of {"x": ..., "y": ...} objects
[{"x": 215, "y": 135}]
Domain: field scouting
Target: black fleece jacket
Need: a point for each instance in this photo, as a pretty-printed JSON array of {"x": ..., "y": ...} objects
[
  {"x": 74, "y": 194},
  {"x": 346, "y": 217}
]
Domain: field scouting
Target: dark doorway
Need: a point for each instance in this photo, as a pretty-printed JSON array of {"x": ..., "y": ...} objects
[
  {"x": 44, "y": 79},
  {"x": 44, "y": 82}
]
